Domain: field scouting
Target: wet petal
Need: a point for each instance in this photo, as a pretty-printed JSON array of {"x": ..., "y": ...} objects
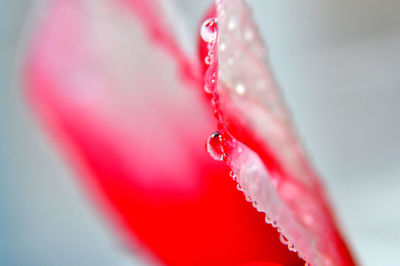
[{"x": 259, "y": 143}]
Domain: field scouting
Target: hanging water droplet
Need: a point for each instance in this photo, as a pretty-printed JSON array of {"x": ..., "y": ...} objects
[
  {"x": 208, "y": 30},
  {"x": 284, "y": 239},
  {"x": 239, "y": 187},
  {"x": 214, "y": 146},
  {"x": 268, "y": 220},
  {"x": 248, "y": 198},
  {"x": 207, "y": 89},
  {"x": 208, "y": 60},
  {"x": 232, "y": 174},
  {"x": 210, "y": 79},
  {"x": 292, "y": 247},
  {"x": 274, "y": 224},
  {"x": 214, "y": 102}
]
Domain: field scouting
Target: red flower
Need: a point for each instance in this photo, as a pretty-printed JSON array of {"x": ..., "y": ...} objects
[{"x": 102, "y": 77}]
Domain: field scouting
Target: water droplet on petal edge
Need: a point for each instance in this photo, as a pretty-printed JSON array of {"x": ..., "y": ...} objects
[{"x": 208, "y": 30}]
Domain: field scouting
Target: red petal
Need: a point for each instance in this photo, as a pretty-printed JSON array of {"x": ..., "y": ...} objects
[{"x": 112, "y": 100}]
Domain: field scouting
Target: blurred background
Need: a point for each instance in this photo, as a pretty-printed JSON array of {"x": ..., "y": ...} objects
[{"x": 337, "y": 63}]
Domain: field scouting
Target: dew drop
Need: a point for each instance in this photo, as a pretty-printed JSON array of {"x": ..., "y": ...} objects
[
  {"x": 248, "y": 198},
  {"x": 292, "y": 247},
  {"x": 208, "y": 60},
  {"x": 214, "y": 146},
  {"x": 268, "y": 220},
  {"x": 210, "y": 79},
  {"x": 274, "y": 224},
  {"x": 208, "y": 89},
  {"x": 239, "y": 187},
  {"x": 284, "y": 239},
  {"x": 208, "y": 30},
  {"x": 214, "y": 102},
  {"x": 232, "y": 174}
]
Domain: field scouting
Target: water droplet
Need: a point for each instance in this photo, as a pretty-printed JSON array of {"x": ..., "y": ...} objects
[
  {"x": 239, "y": 187},
  {"x": 268, "y": 220},
  {"x": 248, "y": 198},
  {"x": 208, "y": 30},
  {"x": 255, "y": 205},
  {"x": 214, "y": 146},
  {"x": 214, "y": 102},
  {"x": 292, "y": 247},
  {"x": 274, "y": 224},
  {"x": 284, "y": 239},
  {"x": 232, "y": 174},
  {"x": 210, "y": 79},
  {"x": 208, "y": 60},
  {"x": 210, "y": 47}
]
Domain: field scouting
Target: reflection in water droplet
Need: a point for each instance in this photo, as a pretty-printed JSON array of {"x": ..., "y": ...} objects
[
  {"x": 214, "y": 146},
  {"x": 239, "y": 187},
  {"x": 208, "y": 30}
]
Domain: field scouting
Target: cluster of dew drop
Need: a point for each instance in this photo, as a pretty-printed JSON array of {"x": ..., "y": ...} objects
[{"x": 215, "y": 142}]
